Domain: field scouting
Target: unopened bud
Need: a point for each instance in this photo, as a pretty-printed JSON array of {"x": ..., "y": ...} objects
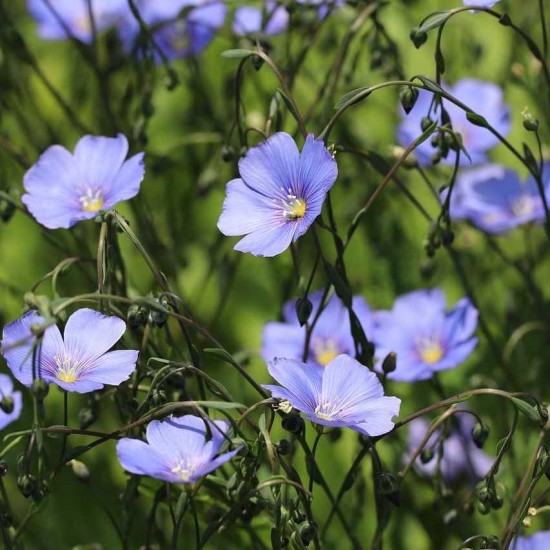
[
  {"x": 7, "y": 404},
  {"x": 408, "y": 96},
  {"x": 40, "y": 389},
  {"x": 303, "y": 310},
  {"x": 137, "y": 316},
  {"x": 80, "y": 470},
  {"x": 530, "y": 123},
  {"x": 427, "y": 455},
  {"x": 27, "y": 485},
  {"x": 307, "y": 532},
  {"x": 480, "y": 433},
  {"x": 293, "y": 424},
  {"x": 418, "y": 37},
  {"x": 389, "y": 363}
]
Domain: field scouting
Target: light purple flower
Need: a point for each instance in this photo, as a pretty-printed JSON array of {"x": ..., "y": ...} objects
[
  {"x": 330, "y": 337},
  {"x": 537, "y": 541},
  {"x": 250, "y": 19},
  {"x": 460, "y": 455},
  {"x": 485, "y": 98},
  {"x": 344, "y": 393},
  {"x": 177, "y": 36},
  {"x": 480, "y": 3},
  {"x": 71, "y": 17},
  {"x": 79, "y": 361},
  {"x": 324, "y": 5},
  {"x": 177, "y": 449},
  {"x": 425, "y": 337},
  {"x": 279, "y": 194},
  {"x": 64, "y": 188},
  {"x": 6, "y": 391},
  {"x": 496, "y": 200}
]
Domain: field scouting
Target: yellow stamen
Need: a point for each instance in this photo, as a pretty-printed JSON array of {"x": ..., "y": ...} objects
[
  {"x": 93, "y": 205},
  {"x": 325, "y": 351},
  {"x": 183, "y": 473},
  {"x": 67, "y": 369},
  {"x": 432, "y": 353},
  {"x": 295, "y": 208}
]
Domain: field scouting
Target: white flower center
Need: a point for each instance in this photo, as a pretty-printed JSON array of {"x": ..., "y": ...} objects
[
  {"x": 184, "y": 470},
  {"x": 67, "y": 369},
  {"x": 524, "y": 205},
  {"x": 92, "y": 201},
  {"x": 294, "y": 208},
  {"x": 327, "y": 411}
]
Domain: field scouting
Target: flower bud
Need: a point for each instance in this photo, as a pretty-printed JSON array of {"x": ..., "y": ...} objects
[
  {"x": 303, "y": 310},
  {"x": 137, "y": 316},
  {"x": 7, "y": 404},
  {"x": 228, "y": 154},
  {"x": 418, "y": 37},
  {"x": 425, "y": 123},
  {"x": 283, "y": 447},
  {"x": 480, "y": 433},
  {"x": 307, "y": 532},
  {"x": 86, "y": 417},
  {"x": 486, "y": 496},
  {"x": 408, "y": 96},
  {"x": 40, "y": 389},
  {"x": 389, "y": 363},
  {"x": 7, "y": 210},
  {"x": 293, "y": 424},
  {"x": 426, "y": 455},
  {"x": 530, "y": 123},
  {"x": 80, "y": 470},
  {"x": 27, "y": 485}
]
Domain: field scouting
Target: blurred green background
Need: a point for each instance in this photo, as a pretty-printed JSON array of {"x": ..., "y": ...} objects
[{"x": 233, "y": 294}]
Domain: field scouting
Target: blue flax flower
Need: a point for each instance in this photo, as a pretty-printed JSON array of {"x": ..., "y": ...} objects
[
  {"x": 481, "y": 3},
  {"x": 485, "y": 98},
  {"x": 344, "y": 393},
  {"x": 425, "y": 336},
  {"x": 330, "y": 337},
  {"x": 79, "y": 361},
  {"x": 253, "y": 19},
  {"x": 62, "y": 19},
  {"x": 279, "y": 194},
  {"x": 454, "y": 452},
  {"x": 7, "y": 393},
  {"x": 496, "y": 200},
  {"x": 64, "y": 188},
  {"x": 180, "y": 28},
  {"x": 537, "y": 541},
  {"x": 177, "y": 449}
]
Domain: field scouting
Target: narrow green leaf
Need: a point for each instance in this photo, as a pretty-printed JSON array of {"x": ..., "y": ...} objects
[
  {"x": 351, "y": 97},
  {"x": 237, "y": 53}
]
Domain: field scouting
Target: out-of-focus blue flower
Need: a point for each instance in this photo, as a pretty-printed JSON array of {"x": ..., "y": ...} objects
[
  {"x": 177, "y": 450},
  {"x": 344, "y": 393},
  {"x": 7, "y": 393},
  {"x": 537, "y": 541},
  {"x": 481, "y": 3},
  {"x": 64, "y": 188},
  {"x": 324, "y": 5},
  {"x": 177, "y": 34},
  {"x": 65, "y": 18},
  {"x": 253, "y": 19},
  {"x": 279, "y": 194},
  {"x": 496, "y": 200},
  {"x": 460, "y": 456},
  {"x": 79, "y": 361},
  {"x": 485, "y": 98},
  {"x": 330, "y": 337},
  {"x": 425, "y": 337}
]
